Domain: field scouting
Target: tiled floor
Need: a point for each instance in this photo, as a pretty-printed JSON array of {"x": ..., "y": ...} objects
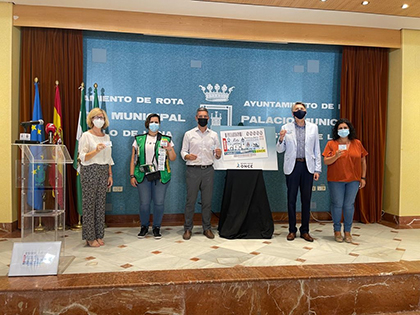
[{"x": 124, "y": 252}]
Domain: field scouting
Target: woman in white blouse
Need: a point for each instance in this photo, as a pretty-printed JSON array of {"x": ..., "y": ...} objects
[{"x": 95, "y": 176}]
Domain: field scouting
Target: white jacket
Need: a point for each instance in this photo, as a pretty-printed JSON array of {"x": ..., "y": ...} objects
[{"x": 312, "y": 149}]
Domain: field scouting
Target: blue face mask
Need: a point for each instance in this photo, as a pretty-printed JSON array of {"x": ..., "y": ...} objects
[
  {"x": 343, "y": 132},
  {"x": 153, "y": 127}
]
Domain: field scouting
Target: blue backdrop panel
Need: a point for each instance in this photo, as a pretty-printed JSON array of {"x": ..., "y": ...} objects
[{"x": 138, "y": 75}]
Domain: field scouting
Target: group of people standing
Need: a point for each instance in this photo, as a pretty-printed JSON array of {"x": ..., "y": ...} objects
[
  {"x": 345, "y": 157},
  {"x": 150, "y": 172}
]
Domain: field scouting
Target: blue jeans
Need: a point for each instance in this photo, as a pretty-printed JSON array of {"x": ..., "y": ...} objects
[
  {"x": 149, "y": 191},
  {"x": 343, "y": 195}
]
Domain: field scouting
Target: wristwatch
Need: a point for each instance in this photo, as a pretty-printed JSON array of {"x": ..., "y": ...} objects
[{"x": 132, "y": 176}]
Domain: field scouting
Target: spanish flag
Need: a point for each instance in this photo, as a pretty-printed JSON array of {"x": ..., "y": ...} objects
[
  {"x": 58, "y": 137},
  {"x": 56, "y": 174}
]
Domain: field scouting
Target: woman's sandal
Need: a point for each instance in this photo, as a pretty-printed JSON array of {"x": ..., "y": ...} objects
[
  {"x": 100, "y": 241},
  {"x": 338, "y": 237},
  {"x": 93, "y": 243},
  {"x": 348, "y": 238}
]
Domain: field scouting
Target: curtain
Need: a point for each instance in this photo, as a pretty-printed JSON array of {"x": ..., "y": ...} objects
[
  {"x": 364, "y": 92},
  {"x": 50, "y": 55}
]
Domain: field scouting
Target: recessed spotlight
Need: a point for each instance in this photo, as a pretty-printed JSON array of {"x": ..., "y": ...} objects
[
  {"x": 323, "y": 0},
  {"x": 404, "y": 6},
  {"x": 365, "y": 2}
]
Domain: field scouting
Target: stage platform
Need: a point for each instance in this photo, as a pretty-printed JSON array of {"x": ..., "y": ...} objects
[{"x": 377, "y": 274}]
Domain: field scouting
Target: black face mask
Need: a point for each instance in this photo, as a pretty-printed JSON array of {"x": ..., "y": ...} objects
[
  {"x": 299, "y": 114},
  {"x": 203, "y": 122}
]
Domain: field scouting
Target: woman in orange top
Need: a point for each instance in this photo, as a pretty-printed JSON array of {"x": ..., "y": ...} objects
[{"x": 346, "y": 160}]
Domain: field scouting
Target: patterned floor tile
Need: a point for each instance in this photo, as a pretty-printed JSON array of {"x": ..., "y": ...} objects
[{"x": 125, "y": 252}]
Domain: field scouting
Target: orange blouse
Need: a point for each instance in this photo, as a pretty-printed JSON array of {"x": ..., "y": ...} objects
[{"x": 348, "y": 167}]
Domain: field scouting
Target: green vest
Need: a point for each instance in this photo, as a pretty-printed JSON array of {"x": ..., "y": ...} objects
[{"x": 165, "y": 176}]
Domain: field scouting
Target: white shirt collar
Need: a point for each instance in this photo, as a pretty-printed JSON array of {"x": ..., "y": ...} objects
[{"x": 207, "y": 130}]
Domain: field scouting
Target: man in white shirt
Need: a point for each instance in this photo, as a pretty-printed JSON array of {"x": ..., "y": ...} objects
[{"x": 199, "y": 148}]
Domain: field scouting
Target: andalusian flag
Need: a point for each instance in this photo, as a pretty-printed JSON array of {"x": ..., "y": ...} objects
[
  {"x": 57, "y": 139},
  {"x": 96, "y": 102},
  {"x": 81, "y": 128},
  {"x": 95, "y": 96},
  {"x": 37, "y": 172}
]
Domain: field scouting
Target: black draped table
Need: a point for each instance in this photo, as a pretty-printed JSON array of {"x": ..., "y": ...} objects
[{"x": 245, "y": 211}]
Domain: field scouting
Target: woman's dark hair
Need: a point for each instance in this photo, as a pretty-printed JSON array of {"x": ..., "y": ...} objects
[
  {"x": 352, "y": 134},
  {"x": 147, "y": 122}
]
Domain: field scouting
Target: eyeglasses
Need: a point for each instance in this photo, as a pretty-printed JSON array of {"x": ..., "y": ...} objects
[{"x": 98, "y": 117}]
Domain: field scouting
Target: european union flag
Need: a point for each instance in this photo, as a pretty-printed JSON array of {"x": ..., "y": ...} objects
[{"x": 36, "y": 170}]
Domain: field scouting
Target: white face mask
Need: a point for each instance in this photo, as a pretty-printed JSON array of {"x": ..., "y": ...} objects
[{"x": 99, "y": 123}]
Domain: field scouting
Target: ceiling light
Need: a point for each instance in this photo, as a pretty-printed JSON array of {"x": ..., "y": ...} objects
[
  {"x": 404, "y": 6},
  {"x": 365, "y": 2},
  {"x": 323, "y": 0}
]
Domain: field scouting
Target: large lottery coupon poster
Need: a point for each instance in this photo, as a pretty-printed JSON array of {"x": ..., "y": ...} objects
[
  {"x": 243, "y": 144},
  {"x": 245, "y": 148}
]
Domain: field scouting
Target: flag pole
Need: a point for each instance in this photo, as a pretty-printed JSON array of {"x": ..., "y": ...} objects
[
  {"x": 60, "y": 225},
  {"x": 40, "y": 227},
  {"x": 82, "y": 127},
  {"x": 78, "y": 226}
]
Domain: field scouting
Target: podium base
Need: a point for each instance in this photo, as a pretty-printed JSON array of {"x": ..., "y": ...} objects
[{"x": 245, "y": 211}]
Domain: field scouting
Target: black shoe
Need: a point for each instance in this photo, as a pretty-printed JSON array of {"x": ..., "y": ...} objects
[
  {"x": 156, "y": 233},
  {"x": 143, "y": 232},
  {"x": 307, "y": 237},
  {"x": 187, "y": 235},
  {"x": 291, "y": 236},
  {"x": 209, "y": 234}
]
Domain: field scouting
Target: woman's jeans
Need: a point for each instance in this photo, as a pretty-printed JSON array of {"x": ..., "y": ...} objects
[
  {"x": 149, "y": 191},
  {"x": 343, "y": 195}
]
